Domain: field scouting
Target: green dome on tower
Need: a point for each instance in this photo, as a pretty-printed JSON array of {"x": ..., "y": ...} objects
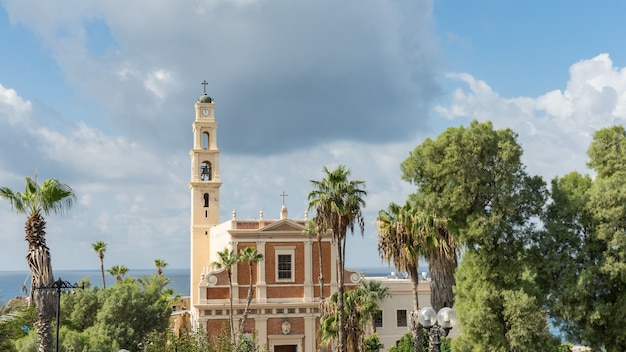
[{"x": 204, "y": 98}]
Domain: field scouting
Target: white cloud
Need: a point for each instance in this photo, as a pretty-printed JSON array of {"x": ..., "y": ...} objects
[
  {"x": 13, "y": 109},
  {"x": 555, "y": 128},
  {"x": 158, "y": 82}
]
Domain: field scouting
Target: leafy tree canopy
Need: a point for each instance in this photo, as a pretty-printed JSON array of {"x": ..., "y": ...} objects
[{"x": 581, "y": 253}]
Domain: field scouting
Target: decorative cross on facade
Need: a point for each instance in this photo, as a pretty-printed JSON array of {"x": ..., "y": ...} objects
[
  {"x": 204, "y": 83},
  {"x": 283, "y": 195}
]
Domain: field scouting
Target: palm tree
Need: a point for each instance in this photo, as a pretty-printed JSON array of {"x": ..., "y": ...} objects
[
  {"x": 361, "y": 304},
  {"x": 100, "y": 247},
  {"x": 377, "y": 292},
  {"x": 338, "y": 202},
  {"x": 398, "y": 245},
  {"x": 251, "y": 256},
  {"x": 404, "y": 235},
  {"x": 118, "y": 271},
  {"x": 157, "y": 283},
  {"x": 442, "y": 263},
  {"x": 51, "y": 196},
  {"x": 228, "y": 258},
  {"x": 160, "y": 265},
  {"x": 311, "y": 230}
]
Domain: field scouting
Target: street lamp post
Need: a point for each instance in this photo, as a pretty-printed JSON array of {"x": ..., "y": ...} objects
[
  {"x": 58, "y": 286},
  {"x": 437, "y": 324}
]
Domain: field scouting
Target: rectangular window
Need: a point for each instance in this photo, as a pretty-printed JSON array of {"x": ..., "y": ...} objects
[
  {"x": 284, "y": 267},
  {"x": 401, "y": 318},
  {"x": 378, "y": 319},
  {"x": 285, "y": 263}
]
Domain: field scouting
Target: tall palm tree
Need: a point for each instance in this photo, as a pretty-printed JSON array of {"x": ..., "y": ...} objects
[
  {"x": 397, "y": 245},
  {"x": 118, "y": 272},
  {"x": 228, "y": 258},
  {"x": 338, "y": 203},
  {"x": 160, "y": 265},
  {"x": 251, "y": 256},
  {"x": 51, "y": 196},
  {"x": 312, "y": 230},
  {"x": 404, "y": 235},
  {"x": 100, "y": 247}
]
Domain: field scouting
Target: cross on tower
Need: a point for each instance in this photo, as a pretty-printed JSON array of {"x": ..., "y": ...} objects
[
  {"x": 204, "y": 83},
  {"x": 283, "y": 195}
]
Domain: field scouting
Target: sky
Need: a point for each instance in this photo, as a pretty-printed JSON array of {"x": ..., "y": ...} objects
[{"x": 100, "y": 95}]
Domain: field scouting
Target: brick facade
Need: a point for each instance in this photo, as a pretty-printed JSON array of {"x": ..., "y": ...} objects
[{"x": 283, "y": 311}]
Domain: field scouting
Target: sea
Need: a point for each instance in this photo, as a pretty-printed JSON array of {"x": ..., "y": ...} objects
[{"x": 11, "y": 282}]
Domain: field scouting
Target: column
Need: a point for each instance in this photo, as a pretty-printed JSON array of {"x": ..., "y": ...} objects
[
  {"x": 261, "y": 289},
  {"x": 308, "y": 271}
]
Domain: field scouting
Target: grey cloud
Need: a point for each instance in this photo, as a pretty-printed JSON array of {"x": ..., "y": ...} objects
[{"x": 282, "y": 72}]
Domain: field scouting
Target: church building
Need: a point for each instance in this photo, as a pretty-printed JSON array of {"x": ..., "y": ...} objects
[{"x": 284, "y": 313}]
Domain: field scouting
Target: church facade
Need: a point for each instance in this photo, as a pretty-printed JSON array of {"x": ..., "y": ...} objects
[{"x": 284, "y": 313}]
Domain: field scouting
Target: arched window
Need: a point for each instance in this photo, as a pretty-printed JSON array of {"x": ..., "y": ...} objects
[
  {"x": 206, "y": 200},
  {"x": 206, "y": 137},
  {"x": 205, "y": 171}
]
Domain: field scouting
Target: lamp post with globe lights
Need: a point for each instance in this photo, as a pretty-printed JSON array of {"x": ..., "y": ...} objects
[{"x": 437, "y": 324}]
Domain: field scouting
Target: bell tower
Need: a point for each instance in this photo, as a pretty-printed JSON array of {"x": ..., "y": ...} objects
[{"x": 205, "y": 187}]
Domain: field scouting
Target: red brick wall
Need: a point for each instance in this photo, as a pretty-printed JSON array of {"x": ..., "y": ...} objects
[
  {"x": 285, "y": 291},
  {"x": 218, "y": 293}
]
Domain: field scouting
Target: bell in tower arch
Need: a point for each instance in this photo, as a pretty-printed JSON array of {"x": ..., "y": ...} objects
[{"x": 205, "y": 171}]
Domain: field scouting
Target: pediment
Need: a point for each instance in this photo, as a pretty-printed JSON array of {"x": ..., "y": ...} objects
[{"x": 283, "y": 226}]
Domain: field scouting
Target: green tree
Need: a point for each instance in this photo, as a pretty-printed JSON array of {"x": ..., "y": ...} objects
[
  {"x": 475, "y": 178},
  {"x": 228, "y": 258},
  {"x": 201, "y": 341},
  {"x": 51, "y": 197},
  {"x": 338, "y": 203},
  {"x": 312, "y": 230},
  {"x": 160, "y": 265},
  {"x": 406, "y": 343},
  {"x": 582, "y": 247},
  {"x": 497, "y": 318},
  {"x": 13, "y": 316},
  {"x": 361, "y": 304},
  {"x": 373, "y": 344},
  {"x": 100, "y": 247},
  {"x": 251, "y": 256},
  {"x": 118, "y": 272},
  {"x": 121, "y": 316}
]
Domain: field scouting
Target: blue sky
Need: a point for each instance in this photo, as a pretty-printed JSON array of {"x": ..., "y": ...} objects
[{"x": 100, "y": 95}]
